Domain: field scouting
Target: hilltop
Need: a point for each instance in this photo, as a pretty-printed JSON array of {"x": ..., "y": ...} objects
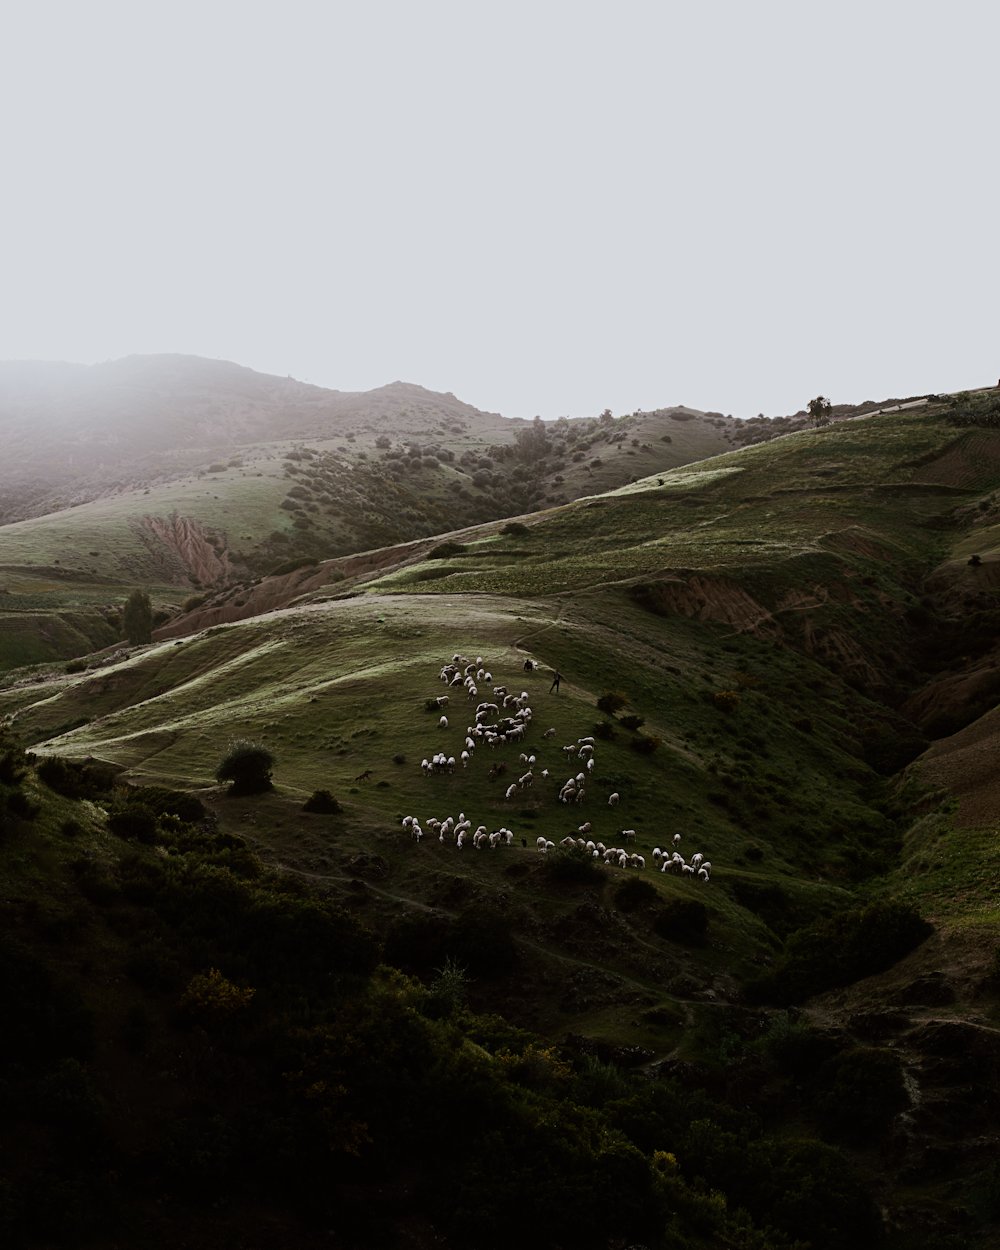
[{"x": 800, "y": 640}]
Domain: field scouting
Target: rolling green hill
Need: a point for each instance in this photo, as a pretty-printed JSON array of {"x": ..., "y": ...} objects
[{"x": 789, "y": 626}]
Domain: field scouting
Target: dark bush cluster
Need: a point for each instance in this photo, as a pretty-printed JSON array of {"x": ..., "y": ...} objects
[
  {"x": 248, "y": 765},
  {"x": 840, "y": 950},
  {"x": 321, "y": 802},
  {"x": 684, "y": 920}
]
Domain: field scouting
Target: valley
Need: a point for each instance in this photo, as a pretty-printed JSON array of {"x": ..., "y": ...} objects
[{"x": 802, "y": 631}]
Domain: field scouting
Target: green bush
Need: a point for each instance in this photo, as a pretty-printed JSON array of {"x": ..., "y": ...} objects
[
  {"x": 613, "y": 701},
  {"x": 321, "y": 802},
  {"x": 195, "y": 601},
  {"x": 604, "y": 730},
  {"x": 517, "y": 528},
  {"x": 684, "y": 921},
  {"x": 135, "y": 820},
  {"x": 76, "y": 666},
  {"x": 248, "y": 765},
  {"x": 76, "y": 781},
  {"x": 632, "y": 722},
  {"x": 634, "y": 893},
  {"x": 840, "y": 950},
  {"x": 443, "y": 550},
  {"x": 137, "y": 618},
  {"x": 862, "y": 1091},
  {"x": 645, "y": 744},
  {"x": 571, "y": 865}
]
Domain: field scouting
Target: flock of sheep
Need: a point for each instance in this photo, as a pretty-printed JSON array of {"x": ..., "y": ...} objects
[{"x": 505, "y": 721}]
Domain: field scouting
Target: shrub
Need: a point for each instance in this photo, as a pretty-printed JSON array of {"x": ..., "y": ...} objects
[
  {"x": 383, "y": 441},
  {"x": 645, "y": 744},
  {"x": 634, "y": 893},
  {"x": 75, "y": 666},
  {"x": 684, "y": 920},
  {"x": 210, "y": 994},
  {"x": 726, "y": 700},
  {"x": 864, "y": 1090},
  {"x": 138, "y": 618},
  {"x": 612, "y": 701},
  {"x": 516, "y": 528},
  {"x": 135, "y": 820},
  {"x": 604, "y": 729},
  {"x": 399, "y": 758},
  {"x": 571, "y": 865},
  {"x": 443, "y": 550},
  {"x": 632, "y": 722},
  {"x": 248, "y": 764},
  {"x": 322, "y": 802},
  {"x": 195, "y": 601},
  {"x": 840, "y": 950},
  {"x": 975, "y": 561},
  {"x": 449, "y": 990},
  {"x": 216, "y": 468},
  {"x": 75, "y": 781},
  {"x": 804, "y": 724}
]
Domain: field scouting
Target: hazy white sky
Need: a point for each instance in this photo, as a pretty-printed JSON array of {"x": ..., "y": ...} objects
[{"x": 550, "y": 207}]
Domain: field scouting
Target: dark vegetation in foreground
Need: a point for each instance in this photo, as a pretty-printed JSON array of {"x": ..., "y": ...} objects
[{"x": 377, "y": 1097}]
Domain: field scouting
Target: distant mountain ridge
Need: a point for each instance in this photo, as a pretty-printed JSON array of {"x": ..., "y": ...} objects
[{"x": 71, "y": 433}]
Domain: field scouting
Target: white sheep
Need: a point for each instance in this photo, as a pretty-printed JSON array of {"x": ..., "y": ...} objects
[
  {"x": 451, "y": 763},
  {"x": 581, "y": 794},
  {"x": 613, "y": 800},
  {"x": 407, "y": 821},
  {"x": 623, "y": 860},
  {"x": 586, "y": 828},
  {"x": 465, "y": 757},
  {"x": 676, "y": 838},
  {"x": 703, "y": 875},
  {"x": 640, "y": 862},
  {"x": 488, "y": 678},
  {"x": 696, "y": 859},
  {"x": 480, "y": 674},
  {"x": 570, "y": 750},
  {"x": 526, "y": 780},
  {"x": 580, "y": 778},
  {"x": 426, "y": 766},
  {"x": 657, "y": 854},
  {"x": 509, "y": 835},
  {"x": 540, "y": 843},
  {"x": 443, "y": 722},
  {"x": 707, "y": 867},
  {"x": 545, "y": 773},
  {"x": 628, "y": 833},
  {"x": 590, "y": 766},
  {"x": 550, "y": 846},
  {"x": 586, "y": 741},
  {"x": 549, "y": 733},
  {"x": 511, "y": 791}
]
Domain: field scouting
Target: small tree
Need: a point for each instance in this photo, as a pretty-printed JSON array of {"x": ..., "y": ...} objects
[
  {"x": 820, "y": 408},
  {"x": 248, "y": 765},
  {"x": 612, "y": 701},
  {"x": 138, "y": 622}
]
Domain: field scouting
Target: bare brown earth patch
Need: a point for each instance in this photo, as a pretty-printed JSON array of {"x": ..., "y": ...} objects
[
  {"x": 966, "y": 763},
  {"x": 185, "y": 544},
  {"x": 706, "y": 600},
  {"x": 950, "y": 696}
]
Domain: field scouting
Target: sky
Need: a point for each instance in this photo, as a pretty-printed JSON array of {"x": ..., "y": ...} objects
[{"x": 546, "y": 207}]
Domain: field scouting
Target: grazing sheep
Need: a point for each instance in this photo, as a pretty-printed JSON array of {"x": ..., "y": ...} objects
[
  {"x": 590, "y": 846},
  {"x": 640, "y": 862},
  {"x": 540, "y": 843},
  {"x": 628, "y": 833},
  {"x": 426, "y": 766},
  {"x": 581, "y": 794},
  {"x": 407, "y": 821},
  {"x": 549, "y": 733},
  {"x": 549, "y": 846},
  {"x": 480, "y": 674},
  {"x": 499, "y": 691},
  {"x": 623, "y": 860},
  {"x": 613, "y": 800},
  {"x": 488, "y": 678},
  {"x": 570, "y": 750},
  {"x": 457, "y": 680},
  {"x": 443, "y": 722},
  {"x": 706, "y": 865},
  {"x": 676, "y": 838},
  {"x": 585, "y": 751},
  {"x": 442, "y": 700},
  {"x": 601, "y": 847},
  {"x": 511, "y": 791},
  {"x": 696, "y": 859},
  {"x": 523, "y": 758},
  {"x": 580, "y": 779},
  {"x": 590, "y": 766},
  {"x": 585, "y": 741},
  {"x": 465, "y": 757},
  {"x": 545, "y": 773},
  {"x": 473, "y": 692},
  {"x": 702, "y": 874},
  {"x": 688, "y": 869},
  {"x": 657, "y": 854},
  {"x": 509, "y": 835},
  {"x": 526, "y": 780},
  {"x": 451, "y": 763}
]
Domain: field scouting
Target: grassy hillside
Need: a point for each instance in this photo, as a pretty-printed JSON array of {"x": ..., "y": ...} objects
[{"x": 776, "y": 619}]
